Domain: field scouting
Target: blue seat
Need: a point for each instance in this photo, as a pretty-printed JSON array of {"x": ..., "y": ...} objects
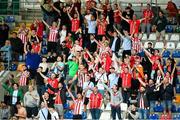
[
  {"x": 13, "y": 67},
  {"x": 158, "y": 108},
  {"x": 178, "y": 89},
  {"x": 66, "y": 106},
  {"x": 173, "y": 108},
  {"x": 166, "y": 54},
  {"x": 68, "y": 115},
  {"x": 44, "y": 50},
  {"x": 154, "y": 117},
  {"x": 84, "y": 115},
  {"x": 169, "y": 28},
  {"x": 176, "y": 54},
  {"x": 10, "y": 19},
  {"x": 44, "y": 43},
  {"x": 178, "y": 109},
  {"x": 141, "y": 54}
]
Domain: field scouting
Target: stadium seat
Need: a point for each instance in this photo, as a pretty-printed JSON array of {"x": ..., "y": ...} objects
[
  {"x": 173, "y": 108},
  {"x": 108, "y": 107},
  {"x": 176, "y": 54},
  {"x": 66, "y": 106},
  {"x": 152, "y": 36},
  {"x": 153, "y": 117},
  {"x": 158, "y": 108},
  {"x": 178, "y": 89},
  {"x": 170, "y": 45},
  {"x": 174, "y": 37},
  {"x": 68, "y": 115},
  {"x": 159, "y": 45},
  {"x": 178, "y": 109},
  {"x": 10, "y": 19},
  {"x": 44, "y": 50},
  {"x": 169, "y": 29},
  {"x": 177, "y": 29},
  {"x": 166, "y": 37},
  {"x": 144, "y": 37},
  {"x": 44, "y": 43},
  {"x": 178, "y": 46},
  {"x": 166, "y": 54},
  {"x": 13, "y": 67}
]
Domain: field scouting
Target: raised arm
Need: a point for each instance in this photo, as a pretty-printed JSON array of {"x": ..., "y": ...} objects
[
  {"x": 100, "y": 10},
  {"x": 59, "y": 23},
  {"x": 57, "y": 10},
  {"x": 68, "y": 13},
  {"x": 25, "y": 50},
  {"x": 142, "y": 83},
  {"x": 46, "y": 24},
  {"x": 159, "y": 66},
  {"x": 73, "y": 98},
  {"x": 77, "y": 13},
  {"x": 123, "y": 17},
  {"x": 174, "y": 68},
  {"x": 118, "y": 31},
  {"x": 43, "y": 76}
]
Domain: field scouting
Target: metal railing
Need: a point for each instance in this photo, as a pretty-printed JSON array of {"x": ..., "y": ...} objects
[{"x": 5, "y": 58}]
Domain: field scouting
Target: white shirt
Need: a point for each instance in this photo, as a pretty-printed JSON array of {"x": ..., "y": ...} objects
[
  {"x": 113, "y": 47},
  {"x": 62, "y": 34},
  {"x": 41, "y": 112},
  {"x": 54, "y": 116},
  {"x": 44, "y": 66},
  {"x": 126, "y": 43},
  {"x": 113, "y": 79},
  {"x": 90, "y": 85},
  {"x": 100, "y": 77},
  {"x": 14, "y": 97}
]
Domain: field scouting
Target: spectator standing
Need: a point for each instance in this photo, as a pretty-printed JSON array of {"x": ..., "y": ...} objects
[
  {"x": 21, "y": 112},
  {"x": 7, "y": 51},
  {"x": 53, "y": 35},
  {"x": 16, "y": 95},
  {"x": 23, "y": 33},
  {"x": 4, "y": 32},
  {"x": 160, "y": 24},
  {"x": 116, "y": 100},
  {"x": 95, "y": 102},
  {"x": 146, "y": 24},
  {"x": 43, "y": 112},
  {"x": 31, "y": 102},
  {"x": 17, "y": 46}
]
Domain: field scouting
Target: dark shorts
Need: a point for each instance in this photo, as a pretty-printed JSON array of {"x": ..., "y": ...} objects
[
  {"x": 86, "y": 101},
  {"x": 31, "y": 111}
]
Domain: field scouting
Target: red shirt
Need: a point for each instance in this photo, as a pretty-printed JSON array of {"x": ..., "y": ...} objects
[
  {"x": 134, "y": 25},
  {"x": 126, "y": 80},
  {"x": 117, "y": 18},
  {"x": 36, "y": 48},
  {"x": 95, "y": 100},
  {"x": 58, "y": 98},
  {"x": 153, "y": 59},
  {"x": 147, "y": 14},
  {"x": 53, "y": 83},
  {"x": 102, "y": 27},
  {"x": 40, "y": 29},
  {"x": 75, "y": 25}
]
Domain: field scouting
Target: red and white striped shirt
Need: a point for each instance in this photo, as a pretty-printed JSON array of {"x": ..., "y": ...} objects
[
  {"x": 75, "y": 25},
  {"x": 95, "y": 100},
  {"x": 23, "y": 35},
  {"x": 147, "y": 14},
  {"x": 78, "y": 107},
  {"x": 53, "y": 34},
  {"x": 141, "y": 104},
  {"x": 23, "y": 78},
  {"x": 81, "y": 79},
  {"x": 136, "y": 44},
  {"x": 58, "y": 100},
  {"x": 126, "y": 79}
]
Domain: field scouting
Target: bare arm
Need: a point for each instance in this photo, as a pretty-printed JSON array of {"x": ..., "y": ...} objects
[
  {"x": 77, "y": 13},
  {"x": 124, "y": 18},
  {"x": 100, "y": 10},
  {"x": 59, "y": 23},
  {"x": 73, "y": 98},
  {"x": 45, "y": 24},
  {"x": 142, "y": 83},
  {"x": 57, "y": 10},
  {"x": 25, "y": 50},
  {"x": 69, "y": 15},
  {"x": 43, "y": 76}
]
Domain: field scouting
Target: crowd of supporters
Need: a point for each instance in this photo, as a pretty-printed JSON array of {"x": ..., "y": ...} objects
[{"x": 83, "y": 67}]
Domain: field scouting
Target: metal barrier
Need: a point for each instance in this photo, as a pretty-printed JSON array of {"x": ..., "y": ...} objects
[{"x": 5, "y": 59}]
